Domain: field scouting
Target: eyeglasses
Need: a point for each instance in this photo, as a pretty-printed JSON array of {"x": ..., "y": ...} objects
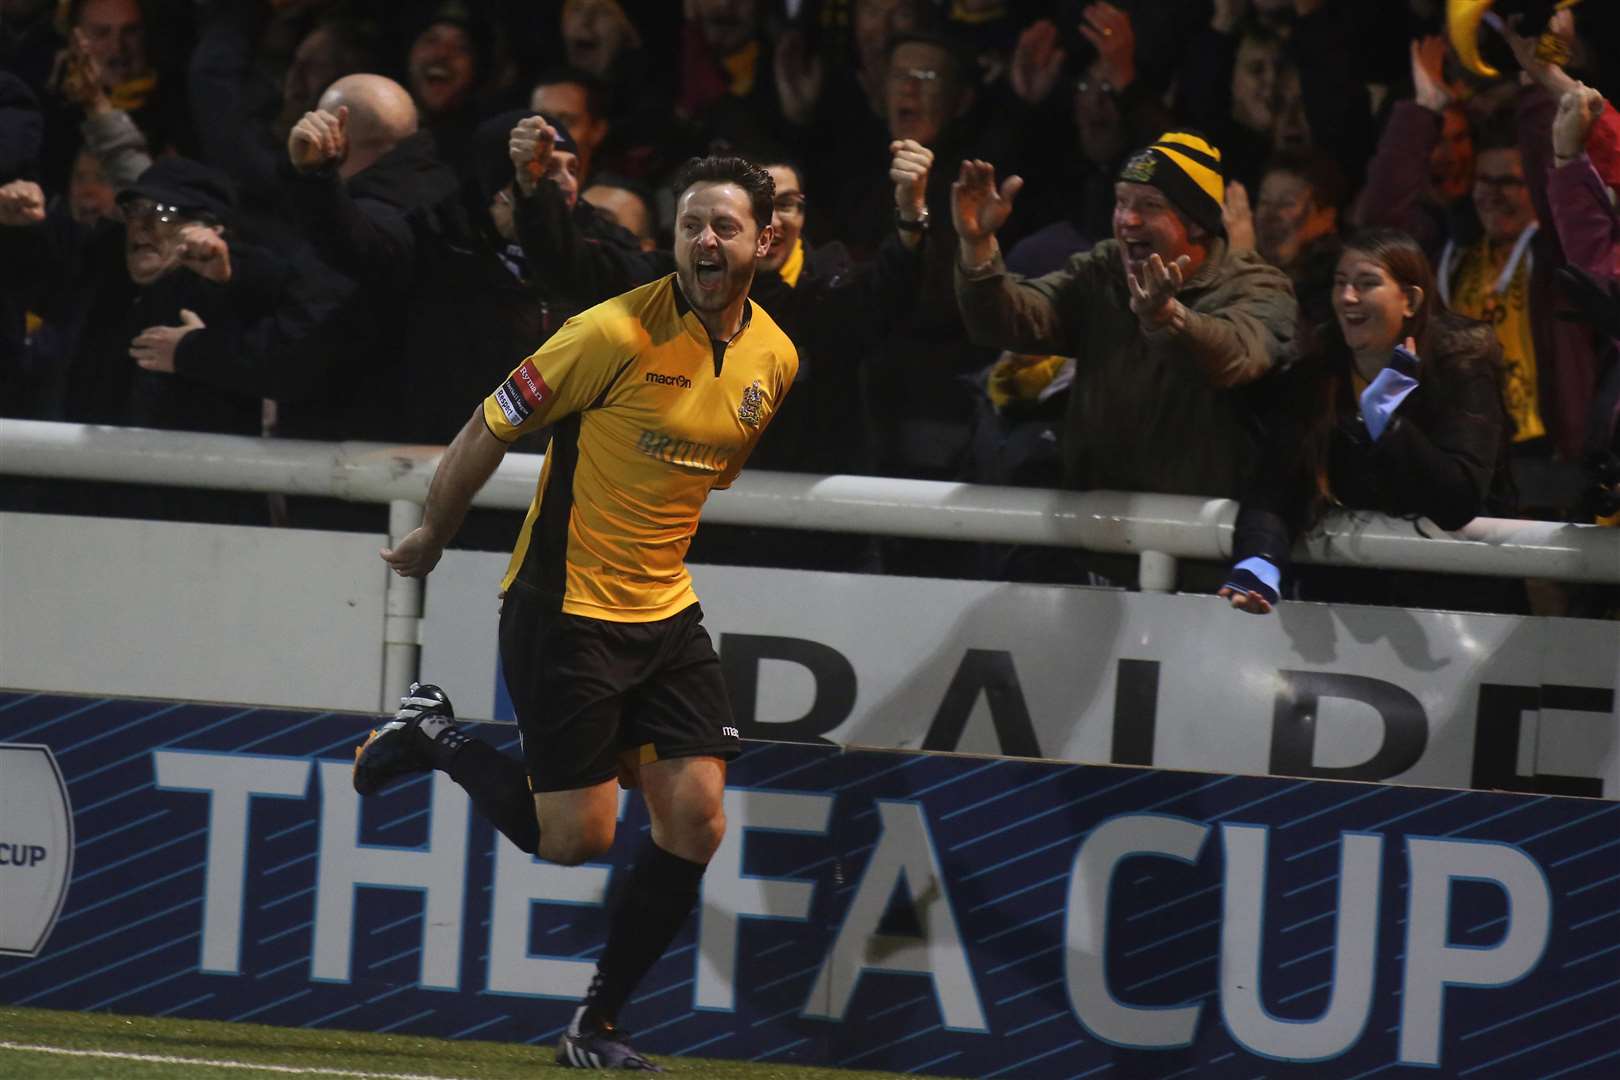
[
  {"x": 149, "y": 212},
  {"x": 789, "y": 204},
  {"x": 923, "y": 77}
]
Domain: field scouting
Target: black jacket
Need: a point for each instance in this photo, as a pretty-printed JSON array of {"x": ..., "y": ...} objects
[
  {"x": 382, "y": 230},
  {"x": 1442, "y": 457}
]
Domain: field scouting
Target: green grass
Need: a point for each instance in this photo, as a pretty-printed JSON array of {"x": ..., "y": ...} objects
[{"x": 294, "y": 1050}]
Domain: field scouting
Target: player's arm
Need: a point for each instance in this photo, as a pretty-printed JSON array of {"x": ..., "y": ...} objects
[{"x": 466, "y": 466}]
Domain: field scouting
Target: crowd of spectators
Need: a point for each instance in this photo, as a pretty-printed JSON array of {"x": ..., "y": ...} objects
[{"x": 1083, "y": 243}]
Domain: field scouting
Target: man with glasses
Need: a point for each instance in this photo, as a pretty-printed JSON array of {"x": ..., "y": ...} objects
[
  {"x": 165, "y": 322},
  {"x": 1495, "y": 260}
]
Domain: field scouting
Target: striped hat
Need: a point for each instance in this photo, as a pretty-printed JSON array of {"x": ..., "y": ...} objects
[{"x": 1187, "y": 168}]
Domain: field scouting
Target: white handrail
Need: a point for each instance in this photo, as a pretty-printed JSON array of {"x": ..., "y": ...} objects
[{"x": 1167, "y": 525}]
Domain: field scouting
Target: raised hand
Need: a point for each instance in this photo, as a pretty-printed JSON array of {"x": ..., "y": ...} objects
[
  {"x": 1541, "y": 65},
  {"x": 204, "y": 252},
  {"x": 319, "y": 140},
  {"x": 1037, "y": 61},
  {"x": 1109, "y": 30},
  {"x": 979, "y": 208},
  {"x": 22, "y": 202},
  {"x": 1578, "y": 110},
  {"x": 530, "y": 147},
  {"x": 909, "y": 168},
  {"x": 1238, "y": 218},
  {"x": 799, "y": 76},
  {"x": 154, "y": 348},
  {"x": 1428, "y": 73},
  {"x": 1154, "y": 291},
  {"x": 79, "y": 76}
]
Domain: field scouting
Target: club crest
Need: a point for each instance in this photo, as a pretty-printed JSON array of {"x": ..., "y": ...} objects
[
  {"x": 753, "y": 401},
  {"x": 1140, "y": 169}
]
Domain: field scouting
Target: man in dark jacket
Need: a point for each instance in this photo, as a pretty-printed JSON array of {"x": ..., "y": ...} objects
[
  {"x": 375, "y": 201},
  {"x": 165, "y": 323}
]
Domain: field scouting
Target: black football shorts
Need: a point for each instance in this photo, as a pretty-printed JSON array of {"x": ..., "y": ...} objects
[{"x": 588, "y": 692}]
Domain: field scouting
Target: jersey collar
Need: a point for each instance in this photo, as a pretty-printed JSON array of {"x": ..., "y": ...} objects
[{"x": 695, "y": 327}]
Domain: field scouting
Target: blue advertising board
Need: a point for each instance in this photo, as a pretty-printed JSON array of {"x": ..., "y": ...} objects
[{"x": 945, "y": 914}]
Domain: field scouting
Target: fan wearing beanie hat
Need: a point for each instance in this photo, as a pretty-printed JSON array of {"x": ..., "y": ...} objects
[
  {"x": 1167, "y": 212},
  {"x": 1165, "y": 320},
  {"x": 1187, "y": 168}
]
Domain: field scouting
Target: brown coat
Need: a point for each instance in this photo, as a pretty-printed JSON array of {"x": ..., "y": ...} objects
[{"x": 1161, "y": 411}]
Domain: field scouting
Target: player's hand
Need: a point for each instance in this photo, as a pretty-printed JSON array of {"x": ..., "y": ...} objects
[
  {"x": 414, "y": 556},
  {"x": 204, "y": 252},
  {"x": 319, "y": 140},
  {"x": 979, "y": 208},
  {"x": 22, "y": 202},
  {"x": 530, "y": 146},
  {"x": 153, "y": 348},
  {"x": 1253, "y": 603},
  {"x": 1153, "y": 292}
]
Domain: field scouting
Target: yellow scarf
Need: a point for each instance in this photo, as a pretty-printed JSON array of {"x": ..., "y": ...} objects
[
  {"x": 794, "y": 266},
  {"x": 1012, "y": 380},
  {"x": 742, "y": 66},
  {"x": 131, "y": 94}
]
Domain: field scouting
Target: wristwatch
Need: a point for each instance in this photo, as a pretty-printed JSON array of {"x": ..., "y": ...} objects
[{"x": 920, "y": 225}]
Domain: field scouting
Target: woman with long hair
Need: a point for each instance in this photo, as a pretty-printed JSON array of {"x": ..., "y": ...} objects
[{"x": 1399, "y": 413}]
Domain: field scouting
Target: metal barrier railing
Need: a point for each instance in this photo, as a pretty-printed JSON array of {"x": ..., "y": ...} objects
[{"x": 1158, "y": 529}]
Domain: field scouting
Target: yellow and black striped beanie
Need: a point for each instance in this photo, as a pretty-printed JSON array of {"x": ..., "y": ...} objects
[{"x": 1187, "y": 168}]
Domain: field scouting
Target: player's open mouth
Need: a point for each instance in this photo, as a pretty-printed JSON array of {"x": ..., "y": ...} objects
[
  {"x": 1138, "y": 251},
  {"x": 709, "y": 273},
  {"x": 1354, "y": 318}
]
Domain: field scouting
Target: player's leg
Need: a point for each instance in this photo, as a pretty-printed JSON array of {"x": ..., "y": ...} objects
[
  {"x": 685, "y": 801},
  {"x": 679, "y": 723},
  {"x": 577, "y": 825},
  {"x": 422, "y": 736}
]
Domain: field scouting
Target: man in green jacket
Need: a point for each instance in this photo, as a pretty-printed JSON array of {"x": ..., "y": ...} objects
[{"x": 1168, "y": 326}]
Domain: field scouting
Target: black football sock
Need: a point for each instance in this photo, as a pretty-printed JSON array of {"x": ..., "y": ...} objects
[
  {"x": 662, "y": 891},
  {"x": 497, "y": 784}
]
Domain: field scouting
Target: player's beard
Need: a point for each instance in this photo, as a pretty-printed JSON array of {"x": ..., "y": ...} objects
[{"x": 732, "y": 284}]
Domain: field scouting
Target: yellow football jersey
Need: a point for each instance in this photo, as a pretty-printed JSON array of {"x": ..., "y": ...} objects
[{"x": 648, "y": 414}]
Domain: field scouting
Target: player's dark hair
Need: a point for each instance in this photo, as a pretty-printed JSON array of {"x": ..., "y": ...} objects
[{"x": 728, "y": 169}]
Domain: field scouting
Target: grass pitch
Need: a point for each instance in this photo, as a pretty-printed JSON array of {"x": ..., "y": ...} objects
[{"x": 40, "y": 1044}]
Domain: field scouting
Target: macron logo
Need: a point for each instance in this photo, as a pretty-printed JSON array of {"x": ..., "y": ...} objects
[{"x": 679, "y": 381}]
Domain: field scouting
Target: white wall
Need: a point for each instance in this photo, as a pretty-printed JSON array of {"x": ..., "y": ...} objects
[{"x": 208, "y": 613}]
